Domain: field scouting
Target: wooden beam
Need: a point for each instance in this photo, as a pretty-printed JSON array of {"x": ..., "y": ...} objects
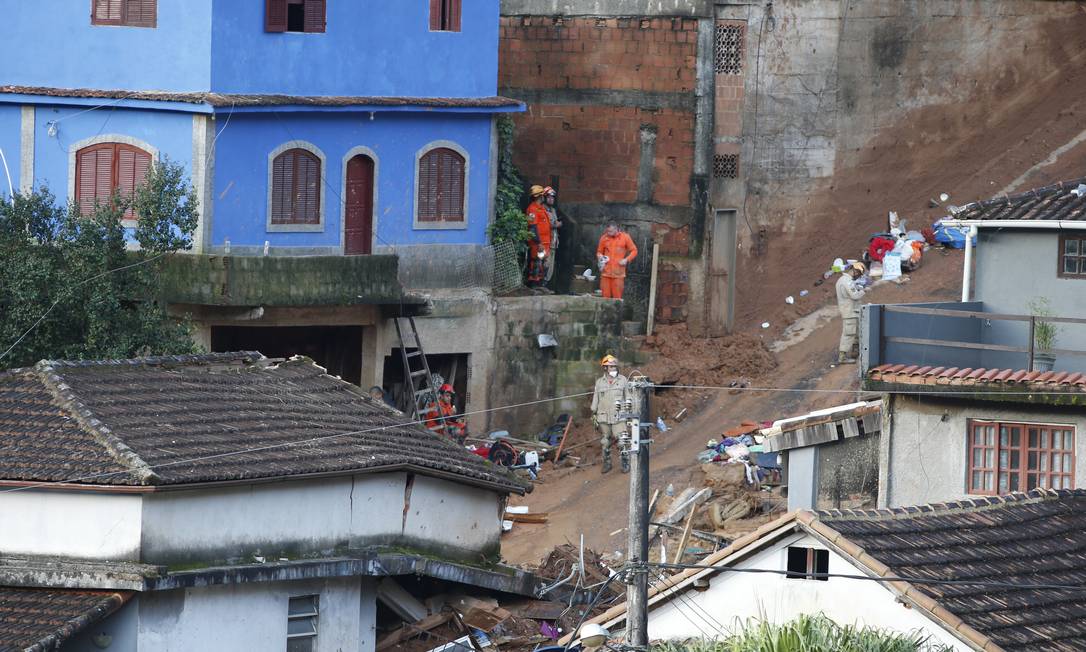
[
  {"x": 685, "y": 537},
  {"x": 652, "y": 288},
  {"x": 408, "y": 631}
]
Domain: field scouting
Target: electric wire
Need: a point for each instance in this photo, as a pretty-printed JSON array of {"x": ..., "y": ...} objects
[
  {"x": 300, "y": 442},
  {"x": 591, "y": 605},
  {"x": 683, "y": 600}
]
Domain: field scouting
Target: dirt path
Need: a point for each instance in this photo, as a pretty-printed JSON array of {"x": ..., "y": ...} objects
[{"x": 582, "y": 501}]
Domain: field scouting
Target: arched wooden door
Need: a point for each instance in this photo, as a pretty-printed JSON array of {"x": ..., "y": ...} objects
[{"x": 358, "y": 228}]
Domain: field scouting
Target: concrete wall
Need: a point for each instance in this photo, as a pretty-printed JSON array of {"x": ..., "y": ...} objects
[
  {"x": 1016, "y": 267},
  {"x": 122, "y": 627},
  {"x": 395, "y": 140},
  {"x": 732, "y": 598},
  {"x": 368, "y": 49},
  {"x": 52, "y": 43},
  {"x": 848, "y": 473},
  {"x": 925, "y": 456},
  {"x": 81, "y": 525},
  {"x": 254, "y": 616},
  {"x": 319, "y": 517}
]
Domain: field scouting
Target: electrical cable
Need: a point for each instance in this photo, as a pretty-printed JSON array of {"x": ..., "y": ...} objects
[
  {"x": 588, "y": 610},
  {"x": 257, "y": 449},
  {"x": 67, "y": 291},
  {"x": 683, "y": 600},
  {"x": 868, "y": 578}
]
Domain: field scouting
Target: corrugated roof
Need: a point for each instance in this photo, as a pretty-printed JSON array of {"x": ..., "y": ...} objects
[
  {"x": 208, "y": 418},
  {"x": 1054, "y": 202},
  {"x": 250, "y": 99},
  {"x": 968, "y": 376},
  {"x": 43, "y": 619}
]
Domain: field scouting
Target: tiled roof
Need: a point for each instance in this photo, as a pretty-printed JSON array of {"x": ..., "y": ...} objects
[
  {"x": 1027, "y": 539},
  {"x": 244, "y": 100},
  {"x": 957, "y": 376},
  {"x": 1054, "y": 202},
  {"x": 42, "y": 619},
  {"x": 204, "y": 418}
]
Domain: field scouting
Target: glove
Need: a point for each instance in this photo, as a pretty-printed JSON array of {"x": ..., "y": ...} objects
[
  {"x": 622, "y": 262},
  {"x": 595, "y": 422}
]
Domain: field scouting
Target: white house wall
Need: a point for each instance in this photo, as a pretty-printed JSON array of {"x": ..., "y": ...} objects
[
  {"x": 290, "y": 519},
  {"x": 254, "y": 616},
  {"x": 732, "y": 598},
  {"x": 927, "y": 458},
  {"x": 82, "y": 525}
]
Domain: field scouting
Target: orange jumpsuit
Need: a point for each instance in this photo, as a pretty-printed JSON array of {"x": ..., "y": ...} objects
[
  {"x": 539, "y": 222},
  {"x": 451, "y": 427},
  {"x": 613, "y": 277}
]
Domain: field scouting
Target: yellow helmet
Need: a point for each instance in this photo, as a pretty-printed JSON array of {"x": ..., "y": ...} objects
[
  {"x": 859, "y": 266},
  {"x": 536, "y": 190},
  {"x": 609, "y": 361}
]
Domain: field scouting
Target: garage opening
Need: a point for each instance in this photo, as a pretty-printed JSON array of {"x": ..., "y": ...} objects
[
  {"x": 336, "y": 348},
  {"x": 452, "y": 368}
]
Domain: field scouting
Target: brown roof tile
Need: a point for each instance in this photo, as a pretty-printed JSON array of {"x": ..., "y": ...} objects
[
  {"x": 895, "y": 373},
  {"x": 205, "y": 418},
  {"x": 1054, "y": 202},
  {"x": 48, "y": 617}
]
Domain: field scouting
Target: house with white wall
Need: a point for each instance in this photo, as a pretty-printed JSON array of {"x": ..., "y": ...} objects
[
  {"x": 227, "y": 501},
  {"x": 872, "y": 568}
]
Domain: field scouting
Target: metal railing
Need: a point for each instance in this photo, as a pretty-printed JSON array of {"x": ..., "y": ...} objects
[{"x": 1030, "y": 350}]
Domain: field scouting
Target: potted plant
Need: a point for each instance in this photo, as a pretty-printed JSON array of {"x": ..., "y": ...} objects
[{"x": 1044, "y": 335}]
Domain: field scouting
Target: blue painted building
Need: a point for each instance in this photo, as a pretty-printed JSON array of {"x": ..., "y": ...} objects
[{"x": 310, "y": 128}]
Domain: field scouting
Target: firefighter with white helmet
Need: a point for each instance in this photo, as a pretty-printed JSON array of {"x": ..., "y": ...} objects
[
  {"x": 611, "y": 391},
  {"x": 849, "y": 293}
]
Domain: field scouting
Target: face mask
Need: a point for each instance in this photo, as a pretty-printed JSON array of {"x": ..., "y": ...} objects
[{"x": 613, "y": 373}]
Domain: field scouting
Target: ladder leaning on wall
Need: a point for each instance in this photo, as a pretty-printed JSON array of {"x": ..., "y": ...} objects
[{"x": 419, "y": 381}]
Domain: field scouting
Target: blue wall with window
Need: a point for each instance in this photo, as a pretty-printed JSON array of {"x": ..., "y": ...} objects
[
  {"x": 369, "y": 48},
  {"x": 52, "y": 43},
  {"x": 241, "y": 174}
]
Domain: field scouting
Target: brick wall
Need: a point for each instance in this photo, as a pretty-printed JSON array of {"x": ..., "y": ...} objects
[{"x": 592, "y": 142}]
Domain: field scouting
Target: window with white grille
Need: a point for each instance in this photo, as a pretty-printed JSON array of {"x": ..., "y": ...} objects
[{"x": 728, "y": 49}]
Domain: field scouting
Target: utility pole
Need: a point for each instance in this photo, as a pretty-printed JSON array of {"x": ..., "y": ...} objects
[{"x": 637, "y": 591}]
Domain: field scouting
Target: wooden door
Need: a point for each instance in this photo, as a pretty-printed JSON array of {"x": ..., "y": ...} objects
[
  {"x": 722, "y": 272},
  {"x": 358, "y": 229}
]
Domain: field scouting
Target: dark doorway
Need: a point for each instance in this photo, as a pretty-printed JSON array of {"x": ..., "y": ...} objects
[
  {"x": 336, "y": 348},
  {"x": 454, "y": 368},
  {"x": 358, "y": 226}
]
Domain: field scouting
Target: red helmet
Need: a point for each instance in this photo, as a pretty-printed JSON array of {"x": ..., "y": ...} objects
[{"x": 446, "y": 388}]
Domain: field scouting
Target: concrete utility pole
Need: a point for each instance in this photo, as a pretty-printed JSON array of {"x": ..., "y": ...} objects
[{"x": 637, "y": 614}]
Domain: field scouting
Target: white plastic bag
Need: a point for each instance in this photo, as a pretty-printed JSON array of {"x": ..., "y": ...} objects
[{"x": 891, "y": 267}]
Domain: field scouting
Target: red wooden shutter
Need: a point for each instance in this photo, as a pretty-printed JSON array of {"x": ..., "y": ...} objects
[
  {"x": 451, "y": 187},
  {"x": 275, "y": 15},
  {"x": 140, "y": 13},
  {"x": 132, "y": 166},
  {"x": 282, "y": 187},
  {"x": 107, "y": 12},
  {"x": 435, "y": 15},
  {"x": 428, "y": 190},
  {"x": 315, "y": 15},
  {"x": 94, "y": 176},
  {"x": 308, "y": 188},
  {"x": 453, "y": 22}
]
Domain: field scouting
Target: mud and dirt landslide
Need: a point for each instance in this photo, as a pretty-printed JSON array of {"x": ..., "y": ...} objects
[
  {"x": 1013, "y": 133},
  {"x": 582, "y": 501}
]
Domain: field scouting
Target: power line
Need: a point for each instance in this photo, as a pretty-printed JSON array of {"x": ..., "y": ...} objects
[
  {"x": 311, "y": 440},
  {"x": 68, "y": 291}
]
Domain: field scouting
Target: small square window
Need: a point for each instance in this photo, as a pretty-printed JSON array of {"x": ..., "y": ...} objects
[
  {"x": 302, "y": 614},
  {"x": 1072, "y": 256},
  {"x": 808, "y": 563}
]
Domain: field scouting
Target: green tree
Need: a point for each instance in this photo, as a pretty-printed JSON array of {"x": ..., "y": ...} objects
[
  {"x": 806, "y": 634},
  {"x": 74, "y": 285},
  {"x": 510, "y": 224}
]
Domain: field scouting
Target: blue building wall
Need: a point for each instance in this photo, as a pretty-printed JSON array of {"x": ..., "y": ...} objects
[
  {"x": 369, "y": 48},
  {"x": 169, "y": 132},
  {"x": 52, "y": 43},
  {"x": 10, "y": 143},
  {"x": 241, "y": 174}
]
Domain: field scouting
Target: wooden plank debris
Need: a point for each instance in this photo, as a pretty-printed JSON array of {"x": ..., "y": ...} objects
[
  {"x": 400, "y": 601},
  {"x": 408, "y": 631},
  {"x": 538, "y": 517},
  {"x": 478, "y": 613}
]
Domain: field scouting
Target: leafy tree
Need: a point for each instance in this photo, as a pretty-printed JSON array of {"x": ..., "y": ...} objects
[
  {"x": 807, "y": 634},
  {"x": 510, "y": 224},
  {"x": 74, "y": 285}
]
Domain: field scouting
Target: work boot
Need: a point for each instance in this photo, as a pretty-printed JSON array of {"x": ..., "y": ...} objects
[
  {"x": 606, "y": 463},
  {"x": 625, "y": 461}
]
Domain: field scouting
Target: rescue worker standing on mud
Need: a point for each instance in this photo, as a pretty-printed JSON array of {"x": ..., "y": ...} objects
[
  {"x": 614, "y": 253},
  {"x": 849, "y": 293},
  {"x": 610, "y": 389},
  {"x": 539, "y": 238},
  {"x": 440, "y": 417}
]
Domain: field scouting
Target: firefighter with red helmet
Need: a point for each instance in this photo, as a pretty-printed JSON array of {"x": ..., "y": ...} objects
[{"x": 441, "y": 416}]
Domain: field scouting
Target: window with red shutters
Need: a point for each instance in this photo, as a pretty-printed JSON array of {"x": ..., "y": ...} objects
[
  {"x": 130, "y": 13},
  {"x": 441, "y": 186},
  {"x": 296, "y": 188},
  {"x": 445, "y": 15},
  {"x": 295, "y": 15},
  {"x": 107, "y": 167}
]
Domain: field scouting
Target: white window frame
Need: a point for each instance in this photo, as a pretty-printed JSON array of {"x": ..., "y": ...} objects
[
  {"x": 297, "y": 228},
  {"x": 442, "y": 226}
]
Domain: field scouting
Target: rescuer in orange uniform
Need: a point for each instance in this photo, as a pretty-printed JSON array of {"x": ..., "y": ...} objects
[
  {"x": 440, "y": 416},
  {"x": 539, "y": 240},
  {"x": 614, "y": 253}
]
